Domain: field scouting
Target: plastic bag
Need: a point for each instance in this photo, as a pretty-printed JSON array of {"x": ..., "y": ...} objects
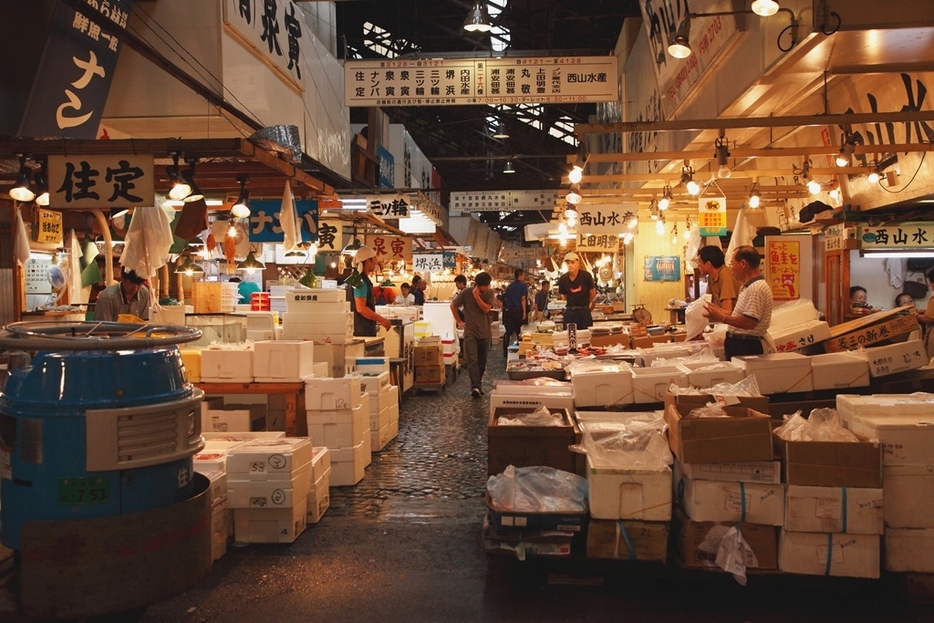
[
  {"x": 747, "y": 388},
  {"x": 540, "y": 417},
  {"x": 821, "y": 425},
  {"x": 537, "y": 489},
  {"x": 712, "y": 410},
  {"x": 694, "y": 319},
  {"x": 632, "y": 444}
]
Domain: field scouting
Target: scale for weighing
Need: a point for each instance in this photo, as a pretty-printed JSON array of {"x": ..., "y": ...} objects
[{"x": 641, "y": 315}]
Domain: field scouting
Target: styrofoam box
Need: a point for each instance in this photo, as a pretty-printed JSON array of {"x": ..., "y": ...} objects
[
  {"x": 842, "y": 555},
  {"x": 380, "y": 419},
  {"x": 799, "y": 336},
  {"x": 302, "y": 298},
  {"x": 593, "y": 419},
  {"x": 227, "y": 365},
  {"x": 909, "y": 549},
  {"x": 840, "y": 370},
  {"x": 320, "y": 463},
  {"x": 328, "y": 394},
  {"x": 531, "y": 400},
  {"x": 909, "y": 496},
  {"x": 661, "y": 351},
  {"x": 715, "y": 500},
  {"x": 319, "y": 499},
  {"x": 269, "y": 494},
  {"x": 320, "y": 370},
  {"x": 386, "y": 396},
  {"x": 379, "y": 439},
  {"x": 348, "y": 464},
  {"x": 269, "y": 525},
  {"x": 322, "y": 334},
  {"x": 210, "y": 461},
  {"x": 709, "y": 373},
  {"x": 898, "y": 357},
  {"x": 283, "y": 360},
  {"x": 372, "y": 365},
  {"x": 219, "y": 528},
  {"x": 651, "y": 384},
  {"x": 627, "y": 493},
  {"x": 373, "y": 384},
  {"x": 903, "y": 424},
  {"x": 223, "y": 420},
  {"x": 339, "y": 428},
  {"x": 853, "y": 510},
  {"x": 777, "y": 373},
  {"x": 217, "y": 486},
  {"x": 226, "y": 441},
  {"x": 766, "y": 472},
  {"x": 330, "y": 317},
  {"x": 600, "y": 388},
  {"x": 394, "y": 411},
  {"x": 269, "y": 459}
]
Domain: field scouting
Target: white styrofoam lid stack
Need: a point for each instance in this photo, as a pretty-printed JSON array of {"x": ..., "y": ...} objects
[
  {"x": 284, "y": 455},
  {"x": 905, "y": 406}
]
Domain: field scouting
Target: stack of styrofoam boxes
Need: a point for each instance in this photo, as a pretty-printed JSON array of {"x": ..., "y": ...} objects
[
  {"x": 603, "y": 385},
  {"x": 833, "y": 507},
  {"x": 217, "y": 417},
  {"x": 319, "y": 498},
  {"x": 227, "y": 363},
  {"x": 895, "y": 358},
  {"x": 449, "y": 351},
  {"x": 779, "y": 373},
  {"x": 383, "y": 399},
  {"x": 268, "y": 481},
  {"x": 277, "y": 299},
  {"x": 212, "y": 463},
  {"x": 649, "y": 385},
  {"x": 903, "y": 425},
  {"x": 840, "y": 370},
  {"x": 629, "y": 491},
  {"x": 725, "y": 478},
  {"x": 261, "y": 325},
  {"x": 337, "y": 419},
  {"x": 283, "y": 361},
  {"x": 796, "y": 325},
  {"x": 519, "y": 395},
  {"x": 706, "y": 374},
  {"x": 317, "y": 314}
]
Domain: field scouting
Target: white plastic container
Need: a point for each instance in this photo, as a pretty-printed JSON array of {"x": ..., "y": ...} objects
[
  {"x": 283, "y": 361},
  {"x": 627, "y": 493},
  {"x": 651, "y": 384},
  {"x": 599, "y": 388},
  {"x": 349, "y": 464},
  {"x": 778, "y": 373},
  {"x": 328, "y": 394},
  {"x": 339, "y": 428},
  {"x": 269, "y": 459},
  {"x": 226, "y": 365},
  {"x": 705, "y": 374}
]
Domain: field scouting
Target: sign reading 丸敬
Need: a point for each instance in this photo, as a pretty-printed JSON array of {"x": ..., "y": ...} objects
[
  {"x": 909, "y": 235},
  {"x": 265, "y": 225},
  {"x": 330, "y": 236},
  {"x": 711, "y": 216},
  {"x": 428, "y": 262},
  {"x": 388, "y": 206},
  {"x": 607, "y": 243},
  {"x": 390, "y": 248},
  {"x": 452, "y": 82},
  {"x": 107, "y": 181},
  {"x": 662, "y": 268},
  {"x": 783, "y": 269}
]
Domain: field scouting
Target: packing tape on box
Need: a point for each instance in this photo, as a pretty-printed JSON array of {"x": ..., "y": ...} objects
[{"x": 621, "y": 531}]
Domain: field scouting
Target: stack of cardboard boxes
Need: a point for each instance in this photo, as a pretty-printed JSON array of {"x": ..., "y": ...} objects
[{"x": 429, "y": 361}]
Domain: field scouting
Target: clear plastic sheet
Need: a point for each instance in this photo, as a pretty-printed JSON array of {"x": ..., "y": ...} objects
[
  {"x": 821, "y": 425},
  {"x": 705, "y": 354},
  {"x": 540, "y": 417},
  {"x": 589, "y": 364},
  {"x": 631, "y": 444},
  {"x": 747, "y": 388},
  {"x": 694, "y": 319},
  {"x": 537, "y": 489},
  {"x": 707, "y": 411}
]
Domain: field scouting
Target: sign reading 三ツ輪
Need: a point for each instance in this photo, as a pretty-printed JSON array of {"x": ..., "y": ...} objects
[{"x": 459, "y": 82}]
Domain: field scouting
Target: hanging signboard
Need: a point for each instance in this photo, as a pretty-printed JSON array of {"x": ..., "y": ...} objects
[
  {"x": 662, "y": 268},
  {"x": 50, "y": 230},
  {"x": 390, "y": 248},
  {"x": 459, "y": 82},
  {"x": 909, "y": 235},
  {"x": 428, "y": 263},
  {"x": 502, "y": 200},
  {"x": 330, "y": 236},
  {"x": 265, "y": 225},
  {"x": 783, "y": 268},
  {"x": 387, "y": 167},
  {"x": 606, "y": 243},
  {"x": 450, "y": 260},
  {"x": 521, "y": 253},
  {"x": 107, "y": 181},
  {"x": 385, "y": 207},
  {"x": 273, "y": 30},
  {"x": 603, "y": 219},
  {"x": 711, "y": 216}
]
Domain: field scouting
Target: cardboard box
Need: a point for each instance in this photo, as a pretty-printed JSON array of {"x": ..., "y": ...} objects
[
  {"x": 744, "y": 436},
  {"x": 698, "y": 542},
  {"x": 872, "y": 329},
  {"x": 799, "y": 336},
  {"x": 909, "y": 550},
  {"x": 432, "y": 374},
  {"x": 525, "y": 446},
  {"x": 283, "y": 360},
  {"x": 525, "y": 543},
  {"x": 839, "y": 555},
  {"x": 233, "y": 418},
  {"x": 269, "y": 525},
  {"x": 628, "y": 493},
  {"x": 628, "y": 540},
  {"x": 602, "y": 388},
  {"x": 851, "y": 510},
  {"x": 831, "y": 463},
  {"x": 568, "y": 521},
  {"x": 909, "y": 496},
  {"x": 650, "y": 385},
  {"x": 840, "y": 370},
  {"x": 901, "y": 423},
  {"x": 779, "y": 373},
  {"x": 895, "y": 358},
  {"x": 766, "y": 472},
  {"x": 712, "y": 500},
  {"x": 758, "y": 403},
  {"x": 432, "y": 355}
]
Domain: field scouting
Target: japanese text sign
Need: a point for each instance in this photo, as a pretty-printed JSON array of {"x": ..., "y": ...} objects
[
  {"x": 108, "y": 181},
  {"x": 783, "y": 269},
  {"x": 607, "y": 243},
  {"x": 330, "y": 236},
  {"x": 265, "y": 225},
  {"x": 909, "y": 235},
  {"x": 386, "y": 207},
  {"x": 662, "y": 268},
  {"x": 428, "y": 263},
  {"x": 711, "y": 216},
  {"x": 603, "y": 219},
  {"x": 273, "y": 28},
  {"x": 390, "y": 248},
  {"x": 50, "y": 227}
]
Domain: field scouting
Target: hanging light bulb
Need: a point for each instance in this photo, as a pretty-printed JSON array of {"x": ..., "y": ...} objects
[
  {"x": 189, "y": 177},
  {"x": 653, "y": 210},
  {"x": 509, "y": 168},
  {"x": 241, "y": 208},
  {"x": 814, "y": 187},
  {"x": 679, "y": 45},
  {"x": 722, "y": 155},
  {"x": 754, "y": 197},
  {"x": 180, "y": 188},
  {"x": 574, "y": 197},
  {"x": 666, "y": 199},
  {"x": 687, "y": 230},
  {"x": 478, "y": 19},
  {"x": 847, "y": 146},
  {"x": 687, "y": 178},
  {"x": 42, "y": 186},
  {"x": 874, "y": 175},
  {"x": 674, "y": 234},
  {"x": 232, "y": 230},
  {"x": 660, "y": 227},
  {"x": 576, "y": 174},
  {"x": 250, "y": 264},
  {"x": 21, "y": 190},
  {"x": 764, "y": 8}
]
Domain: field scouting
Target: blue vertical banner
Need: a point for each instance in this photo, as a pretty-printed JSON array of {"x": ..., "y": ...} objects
[
  {"x": 449, "y": 260},
  {"x": 265, "y": 225},
  {"x": 73, "y": 78},
  {"x": 387, "y": 168}
]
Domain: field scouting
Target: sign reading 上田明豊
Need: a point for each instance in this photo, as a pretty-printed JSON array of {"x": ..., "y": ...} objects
[
  {"x": 711, "y": 216},
  {"x": 265, "y": 225},
  {"x": 453, "y": 82},
  {"x": 662, "y": 268},
  {"x": 105, "y": 181},
  {"x": 909, "y": 235},
  {"x": 606, "y": 243}
]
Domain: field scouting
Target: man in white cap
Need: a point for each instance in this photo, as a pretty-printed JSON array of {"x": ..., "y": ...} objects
[
  {"x": 365, "y": 317},
  {"x": 577, "y": 287}
]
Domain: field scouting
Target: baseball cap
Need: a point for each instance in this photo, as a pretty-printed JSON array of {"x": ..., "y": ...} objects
[{"x": 571, "y": 256}]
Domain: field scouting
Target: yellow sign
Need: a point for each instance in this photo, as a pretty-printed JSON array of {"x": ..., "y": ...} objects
[
  {"x": 783, "y": 269},
  {"x": 711, "y": 216},
  {"x": 50, "y": 230}
]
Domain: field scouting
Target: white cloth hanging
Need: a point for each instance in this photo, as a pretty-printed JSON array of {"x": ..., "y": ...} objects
[{"x": 896, "y": 267}]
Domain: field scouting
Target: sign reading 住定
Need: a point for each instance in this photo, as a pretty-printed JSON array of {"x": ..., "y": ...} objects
[
  {"x": 107, "y": 181},
  {"x": 452, "y": 82},
  {"x": 711, "y": 216}
]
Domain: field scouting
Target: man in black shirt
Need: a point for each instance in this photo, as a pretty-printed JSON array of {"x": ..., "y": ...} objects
[{"x": 577, "y": 287}]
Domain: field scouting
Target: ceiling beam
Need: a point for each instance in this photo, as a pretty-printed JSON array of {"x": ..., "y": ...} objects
[{"x": 741, "y": 152}]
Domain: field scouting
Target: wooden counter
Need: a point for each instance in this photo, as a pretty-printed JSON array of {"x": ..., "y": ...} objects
[{"x": 296, "y": 423}]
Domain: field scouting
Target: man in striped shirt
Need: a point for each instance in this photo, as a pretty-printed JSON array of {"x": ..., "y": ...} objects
[{"x": 752, "y": 314}]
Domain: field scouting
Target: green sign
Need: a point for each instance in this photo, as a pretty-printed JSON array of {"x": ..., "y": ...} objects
[
  {"x": 83, "y": 491},
  {"x": 662, "y": 268}
]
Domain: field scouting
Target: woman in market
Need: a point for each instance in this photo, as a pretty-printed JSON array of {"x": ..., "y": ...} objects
[
  {"x": 405, "y": 297},
  {"x": 365, "y": 317}
]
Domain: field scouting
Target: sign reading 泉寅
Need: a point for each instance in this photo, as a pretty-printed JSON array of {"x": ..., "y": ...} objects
[
  {"x": 454, "y": 82},
  {"x": 711, "y": 216},
  {"x": 105, "y": 181},
  {"x": 390, "y": 248},
  {"x": 909, "y": 235}
]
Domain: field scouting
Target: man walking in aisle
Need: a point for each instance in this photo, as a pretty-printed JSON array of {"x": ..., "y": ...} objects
[
  {"x": 752, "y": 315},
  {"x": 477, "y": 302},
  {"x": 515, "y": 308},
  {"x": 541, "y": 301},
  {"x": 579, "y": 290}
]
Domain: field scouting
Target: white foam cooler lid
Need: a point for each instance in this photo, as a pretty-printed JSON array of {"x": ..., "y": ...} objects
[{"x": 888, "y": 406}]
